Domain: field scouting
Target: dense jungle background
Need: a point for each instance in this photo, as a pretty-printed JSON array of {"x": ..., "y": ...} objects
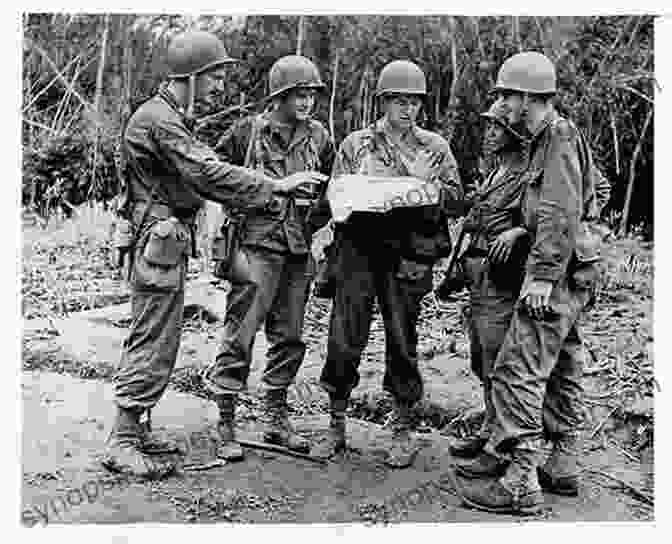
[{"x": 84, "y": 74}]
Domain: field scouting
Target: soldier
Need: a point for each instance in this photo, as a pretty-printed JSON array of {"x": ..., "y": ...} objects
[
  {"x": 491, "y": 261},
  {"x": 169, "y": 173},
  {"x": 536, "y": 387},
  {"x": 280, "y": 142},
  {"x": 387, "y": 257}
]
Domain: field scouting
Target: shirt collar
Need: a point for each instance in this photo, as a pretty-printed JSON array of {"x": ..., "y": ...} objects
[
  {"x": 301, "y": 130},
  {"x": 170, "y": 99},
  {"x": 382, "y": 126}
]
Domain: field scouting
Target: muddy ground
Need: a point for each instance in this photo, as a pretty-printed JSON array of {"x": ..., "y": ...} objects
[{"x": 75, "y": 316}]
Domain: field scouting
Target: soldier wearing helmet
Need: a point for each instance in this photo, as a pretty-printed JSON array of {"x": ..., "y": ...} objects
[
  {"x": 535, "y": 383},
  {"x": 387, "y": 257},
  {"x": 492, "y": 260},
  {"x": 169, "y": 174},
  {"x": 283, "y": 140}
]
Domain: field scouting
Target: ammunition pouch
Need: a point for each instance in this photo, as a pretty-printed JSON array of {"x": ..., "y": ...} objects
[
  {"x": 585, "y": 271},
  {"x": 161, "y": 256}
]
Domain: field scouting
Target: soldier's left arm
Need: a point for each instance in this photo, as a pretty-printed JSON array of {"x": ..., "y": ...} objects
[{"x": 559, "y": 208}]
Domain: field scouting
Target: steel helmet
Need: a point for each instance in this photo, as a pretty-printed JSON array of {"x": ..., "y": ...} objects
[
  {"x": 499, "y": 113},
  {"x": 291, "y": 72},
  {"x": 528, "y": 72},
  {"x": 401, "y": 77},
  {"x": 195, "y": 52}
]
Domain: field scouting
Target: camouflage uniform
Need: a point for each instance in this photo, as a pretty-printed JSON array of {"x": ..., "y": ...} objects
[
  {"x": 277, "y": 245},
  {"x": 387, "y": 257},
  {"x": 168, "y": 166}
]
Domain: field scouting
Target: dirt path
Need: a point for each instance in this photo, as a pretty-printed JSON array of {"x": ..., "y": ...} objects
[{"x": 66, "y": 421}]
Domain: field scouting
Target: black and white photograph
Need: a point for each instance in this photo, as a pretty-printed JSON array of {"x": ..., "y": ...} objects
[{"x": 305, "y": 268}]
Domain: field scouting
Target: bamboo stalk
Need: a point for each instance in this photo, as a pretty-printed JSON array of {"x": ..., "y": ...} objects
[
  {"x": 616, "y": 151},
  {"x": 36, "y": 124},
  {"x": 515, "y": 31},
  {"x": 48, "y": 85},
  {"x": 477, "y": 30},
  {"x": 332, "y": 101},
  {"x": 59, "y": 74},
  {"x": 64, "y": 102},
  {"x": 98, "y": 101},
  {"x": 631, "y": 181},
  {"x": 300, "y": 36}
]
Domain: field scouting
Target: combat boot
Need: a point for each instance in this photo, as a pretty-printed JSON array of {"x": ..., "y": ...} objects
[
  {"x": 403, "y": 450},
  {"x": 484, "y": 465},
  {"x": 124, "y": 448},
  {"x": 227, "y": 448},
  {"x": 473, "y": 446},
  {"x": 518, "y": 491},
  {"x": 560, "y": 474},
  {"x": 152, "y": 443},
  {"x": 334, "y": 441},
  {"x": 277, "y": 428}
]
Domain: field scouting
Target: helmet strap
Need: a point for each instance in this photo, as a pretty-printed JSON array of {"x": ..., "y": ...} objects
[{"x": 191, "y": 97}]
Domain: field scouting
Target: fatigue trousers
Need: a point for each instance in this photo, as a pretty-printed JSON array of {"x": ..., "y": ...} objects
[
  {"x": 365, "y": 273},
  {"x": 491, "y": 310},
  {"x": 275, "y": 297},
  {"x": 150, "y": 350},
  {"x": 536, "y": 381}
]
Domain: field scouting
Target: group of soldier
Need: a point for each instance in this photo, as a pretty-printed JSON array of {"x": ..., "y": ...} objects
[{"x": 530, "y": 264}]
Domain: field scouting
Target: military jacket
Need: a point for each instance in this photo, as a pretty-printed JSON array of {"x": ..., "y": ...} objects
[
  {"x": 279, "y": 151},
  {"x": 498, "y": 203},
  {"x": 410, "y": 231},
  {"x": 562, "y": 195},
  {"x": 166, "y": 164}
]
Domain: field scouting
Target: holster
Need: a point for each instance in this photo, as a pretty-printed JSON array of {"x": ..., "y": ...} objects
[{"x": 230, "y": 261}]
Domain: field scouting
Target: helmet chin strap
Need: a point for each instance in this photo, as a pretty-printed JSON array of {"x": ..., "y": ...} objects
[{"x": 190, "y": 118}]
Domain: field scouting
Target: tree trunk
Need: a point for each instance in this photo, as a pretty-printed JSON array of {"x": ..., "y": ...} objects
[{"x": 631, "y": 181}]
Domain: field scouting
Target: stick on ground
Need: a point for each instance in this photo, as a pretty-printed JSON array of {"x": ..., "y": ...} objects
[{"x": 279, "y": 449}]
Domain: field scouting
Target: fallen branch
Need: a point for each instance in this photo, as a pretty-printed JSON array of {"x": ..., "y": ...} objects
[
  {"x": 279, "y": 449},
  {"x": 601, "y": 424},
  {"x": 627, "y": 454},
  {"x": 218, "y": 463},
  {"x": 638, "y": 493}
]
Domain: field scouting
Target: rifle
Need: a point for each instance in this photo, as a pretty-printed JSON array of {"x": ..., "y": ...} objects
[{"x": 452, "y": 283}]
